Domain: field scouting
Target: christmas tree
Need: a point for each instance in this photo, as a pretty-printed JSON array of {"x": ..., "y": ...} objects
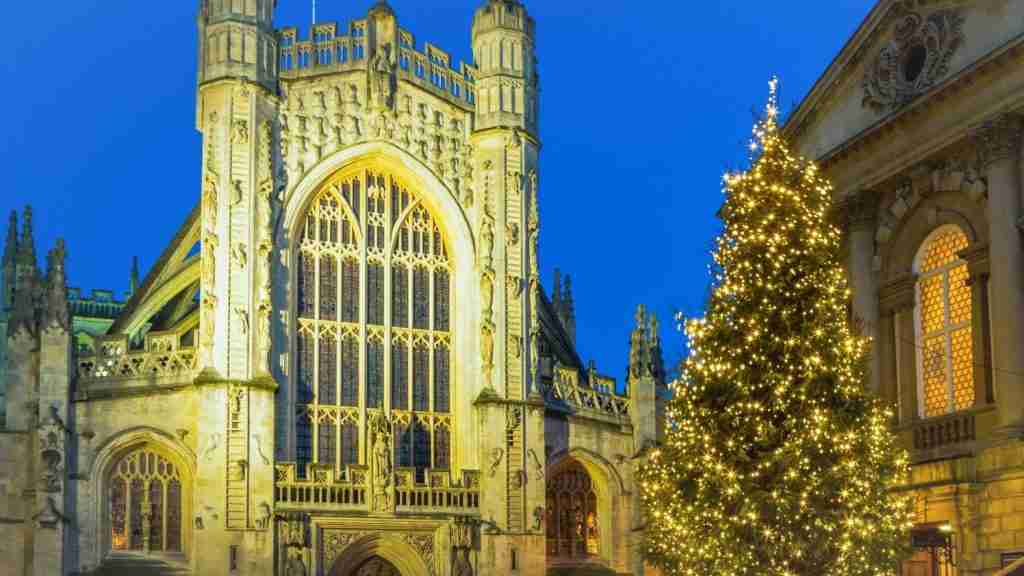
[{"x": 777, "y": 460}]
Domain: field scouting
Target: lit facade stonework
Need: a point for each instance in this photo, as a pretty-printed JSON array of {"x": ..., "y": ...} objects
[
  {"x": 344, "y": 362},
  {"x": 918, "y": 123}
]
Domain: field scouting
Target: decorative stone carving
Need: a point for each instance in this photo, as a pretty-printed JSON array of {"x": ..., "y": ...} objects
[
  {"x": 211, "y": 446},
  {"x": 382, "y": 474},
  {"x": 56, "y": 313},
  {"x": 497, "y": 455},
  {"x": 998, "y": 138},
  {"x": 382, "y": 77},
  {"x": 265, "y": 515},
  {"x": 915, "y": 59},
  {"x": 49, "y": 516},
  {"x": 240, "y": 132},
  {"x": 295, "y": 565},
  {"x": 335, "y": 542},
  {"x": 240, "y": 255},
  {"x": 52, "y": 438},
  {"x": 487, "y": 349},
  {"x": 243, "y": 320},
  {"x": 538, "y": 519},
  {"x": 237, "y": 192},
  {"x": 512, "y": 234},
  {"x": 210, "y": 207},
  {"x": 265, "y": 212},
  {"x": 538, "y": 467},
  {"x": 423, "y": 544}
]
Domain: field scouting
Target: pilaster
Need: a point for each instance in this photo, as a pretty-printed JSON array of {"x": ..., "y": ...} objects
[
  {"x": 978, "y": 270},
  {"x": 897, "y": 301},
  {"x": 999, "y": 147},
  {"x": 859, "y": 215}
]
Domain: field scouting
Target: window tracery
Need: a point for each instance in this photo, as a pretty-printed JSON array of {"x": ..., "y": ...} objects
[
  {"x": 945, "y": 355},
  {"x": 367, "y": 240},
  {"x": 144, "y": 503},
  {"x": 572, "y": 517}
]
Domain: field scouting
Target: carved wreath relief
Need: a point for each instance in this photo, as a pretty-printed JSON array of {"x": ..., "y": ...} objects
[{"x": 915, "y": 58}]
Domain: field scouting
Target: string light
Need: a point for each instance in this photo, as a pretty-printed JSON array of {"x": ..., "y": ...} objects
[{"x": 777, "y": 461}]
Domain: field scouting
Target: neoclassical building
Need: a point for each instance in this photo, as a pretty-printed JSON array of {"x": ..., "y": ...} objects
[
  {"x": 344, "y": 362},
  {"x": 918, "y": 121}
]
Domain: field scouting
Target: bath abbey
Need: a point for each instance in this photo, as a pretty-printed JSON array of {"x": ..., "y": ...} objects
[{"x": 344, "y": 362}]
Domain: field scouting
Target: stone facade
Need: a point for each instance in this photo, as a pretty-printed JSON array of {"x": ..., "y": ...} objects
[
  {"x": 360, "y": 371},
  {"x": 918, "y": 123}
]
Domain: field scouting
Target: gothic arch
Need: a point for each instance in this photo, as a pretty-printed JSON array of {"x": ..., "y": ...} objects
[
  {"x": 438, "y": 199},
  {"x": 110, "y": 454},
  {"x": 608, "y": 486},
  {"x": 400, "y": 554}
]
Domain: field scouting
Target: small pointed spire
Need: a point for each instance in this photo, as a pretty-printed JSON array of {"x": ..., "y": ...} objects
[
  {"x": 654, "y": 347},
  {"x": 569, "y": 309},
  {"x": 11, "y": 247},
  {"x": 27, "y": 247},
  {"x": 639, "y": 358},
  {"x": 556, "y": 291},
  {"x": 56, "y": 311},
  {"x": 133, "y": 282}
]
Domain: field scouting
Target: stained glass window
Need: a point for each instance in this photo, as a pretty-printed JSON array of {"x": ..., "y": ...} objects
[
  {"x": 350, "y": 291},
  {"x": 399, "y": 377},
  {"x": 354, "y": 359},
  {"x": 349, "y": 444},
  {"x": 328, "y": 373},
  {"x": 375, "y": 294},
  {"x": 945, "y": 355},
  {"x": 399, "y": 296},
  {"x": 442, "y": 448},
  {"x": 420, "y": 376},
  {"x": 441, "y": 292},
  {"x": 349, "y": 372},
  {"x": 375, "y": 375},
  {"x": 328, "y": 288},
  {"x": 421, "y": 298},
  {"x": 325, "y": 443},
  {"x": 573, "y": 529},
  {"x": 145, "y": 503},
  {"x": 441, "y": 380}
]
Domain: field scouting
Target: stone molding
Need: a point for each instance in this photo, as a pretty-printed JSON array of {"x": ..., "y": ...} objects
[
  {"x": 898, "y": 295},
  {"x": 858, "y": 211},
  {"x": 977, "y": 258},
  {"x": 998, "y": 138}
]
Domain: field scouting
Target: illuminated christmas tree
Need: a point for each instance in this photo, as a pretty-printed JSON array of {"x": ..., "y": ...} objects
[{"x": 777, "y": 460}]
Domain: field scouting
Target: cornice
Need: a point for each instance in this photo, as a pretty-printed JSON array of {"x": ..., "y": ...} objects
[{"x": 941, "y": 93}]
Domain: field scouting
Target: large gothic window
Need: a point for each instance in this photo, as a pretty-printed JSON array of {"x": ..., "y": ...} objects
[
  {"x": 945, "y": 357},
  {"x": 374, "y": 301},
  {"x": 572, "y": 518},
  {"x": 144, "y": 504}
]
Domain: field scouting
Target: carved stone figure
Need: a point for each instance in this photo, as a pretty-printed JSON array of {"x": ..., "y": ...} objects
[
  {"x": 240, "y": 134},
  {"x": 382, "y": 77},
  {"x": 295, "y": 565},
  {"x": 487, "y": 293},
  {"x": 487, "y": 347},
  {"x": 383, "y": 471},
  {"x": 497, "y": 455}
]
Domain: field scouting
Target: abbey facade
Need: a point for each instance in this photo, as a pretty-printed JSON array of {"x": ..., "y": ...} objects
[
  {"x": 344, "y": 363},
  {"x": 918, "y": 121}
]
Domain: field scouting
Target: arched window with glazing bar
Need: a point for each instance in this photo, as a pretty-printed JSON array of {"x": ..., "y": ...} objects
[{"x": 374, "y": 300}]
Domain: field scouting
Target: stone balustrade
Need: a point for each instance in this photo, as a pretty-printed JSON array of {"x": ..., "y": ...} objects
[
  {"x": 160, "y": 357},
  {"x": 598, "y": 397},
  {"x": 945, "y": 431},
  {"x": 430, "y": 491}
]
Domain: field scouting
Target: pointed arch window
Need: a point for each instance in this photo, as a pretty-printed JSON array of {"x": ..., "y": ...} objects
[
  {"x": 374, "y": 304},
  {"x": 943, "y": 325},
  {"x": 145, "y": 503},
  {"x": 572, "y": 517}
]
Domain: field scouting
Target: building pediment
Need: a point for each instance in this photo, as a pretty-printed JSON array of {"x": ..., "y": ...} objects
[{"x": 902, "y": 52}]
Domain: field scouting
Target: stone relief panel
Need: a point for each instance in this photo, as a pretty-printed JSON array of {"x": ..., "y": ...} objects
[
  {"x": 915, "y": 58},
  {"x": 333, "y": 543},
  {"x": 322, "y": 117}
]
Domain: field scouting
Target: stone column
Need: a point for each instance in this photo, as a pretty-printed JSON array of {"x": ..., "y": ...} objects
[
  {"x": 998, "y": 142},
  {"x": 859, "y": 213},
  {"x": 897, "y": 298},
  {"x": 981, "y": 334}
]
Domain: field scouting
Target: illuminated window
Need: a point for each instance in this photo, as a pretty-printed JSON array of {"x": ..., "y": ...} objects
[
  {"x": 374, "y": 300},
  {"x": 945, "y": 356},
  {"x": 145, "y": 498},
  {"x": 572, "y": 519}
]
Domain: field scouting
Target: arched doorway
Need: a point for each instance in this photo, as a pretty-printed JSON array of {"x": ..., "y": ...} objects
[
  {"x": 573, "y": 524},
  {"x": 375, "y": 566}
]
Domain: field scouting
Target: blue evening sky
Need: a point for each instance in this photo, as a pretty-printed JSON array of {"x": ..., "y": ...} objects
[{"x": 643, "y": 108}]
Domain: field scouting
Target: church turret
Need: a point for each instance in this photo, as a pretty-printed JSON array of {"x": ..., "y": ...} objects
[
  {"x": 569, "y": 310},
  {"x": 23, "y": 308},
  {"x": 646, "y": 380},
  {"x": 508, "y": 83},
  {"x": 237, "y": 41},
  {"x": 133, "y": 281},
  {"x": 10, "y": 262}
]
